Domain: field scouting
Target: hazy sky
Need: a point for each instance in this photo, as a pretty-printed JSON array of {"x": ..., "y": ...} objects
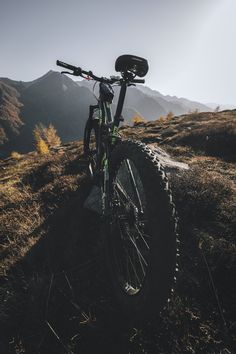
[{"x": 190, "y": 44}]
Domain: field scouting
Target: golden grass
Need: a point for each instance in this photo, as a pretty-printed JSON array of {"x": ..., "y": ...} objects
[
  {"x": 22, "y": 209},
  {"x": 15, "y": 155},
  {"x": 34, "y": 188}
]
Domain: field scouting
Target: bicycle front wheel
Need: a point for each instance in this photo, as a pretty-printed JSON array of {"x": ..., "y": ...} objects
[
  {"x": 91, "y": 144},
  {"x": 141, "y": 243}
]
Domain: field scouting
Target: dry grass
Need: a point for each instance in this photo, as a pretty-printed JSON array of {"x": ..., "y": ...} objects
[
  {"x": 30, "y": 190},
  {"x": 41, "y": 213},
  {"x": 205, "y": 198},
  {"x": 202, "y": 132},
  {"x": 15, "y": 155}
]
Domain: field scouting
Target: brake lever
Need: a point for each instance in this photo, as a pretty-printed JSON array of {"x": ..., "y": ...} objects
[{"x": 86, "y": 77}]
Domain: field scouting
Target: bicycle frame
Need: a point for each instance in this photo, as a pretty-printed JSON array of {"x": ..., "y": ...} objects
[
  {"x": 130, "y": 67},
  {"x": 108, "y": 137}
]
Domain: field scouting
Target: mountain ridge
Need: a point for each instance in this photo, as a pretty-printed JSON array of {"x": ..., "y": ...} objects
[
  {"x": 57, "y": 99},
  {"x": 141, "y": 98}
]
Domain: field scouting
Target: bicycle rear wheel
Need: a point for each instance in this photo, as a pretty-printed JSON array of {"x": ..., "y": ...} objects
[{"x": 141, "y": 244}]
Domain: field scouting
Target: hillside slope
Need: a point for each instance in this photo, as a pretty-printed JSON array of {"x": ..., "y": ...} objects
[
  {"x": 53, "y": 98},
  {"x": 54, "y": 292},
  {"x": 10, "y": 122}
]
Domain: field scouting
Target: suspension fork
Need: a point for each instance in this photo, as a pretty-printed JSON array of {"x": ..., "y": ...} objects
[
  {"x": 105, "y": 185},
  {"x": 105, "y": 159}
]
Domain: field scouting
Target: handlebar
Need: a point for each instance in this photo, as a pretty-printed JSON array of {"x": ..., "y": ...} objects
[
  {"x": 66, "y": 66},
  {"x": 138, "y": 81},
  {"x": 77, "y": 71}
]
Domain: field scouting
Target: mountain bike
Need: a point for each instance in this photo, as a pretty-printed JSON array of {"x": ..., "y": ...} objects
[{"x": 137, "y": 207}]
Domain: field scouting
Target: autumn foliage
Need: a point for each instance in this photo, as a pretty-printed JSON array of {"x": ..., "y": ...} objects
[
  {"x": 45, "y": 138},
  {"x": 15, "y": 155},
  {"x": 138, "y": 119}
]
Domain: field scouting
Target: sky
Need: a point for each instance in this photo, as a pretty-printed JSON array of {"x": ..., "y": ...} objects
[{"x": 189, "y": 44}]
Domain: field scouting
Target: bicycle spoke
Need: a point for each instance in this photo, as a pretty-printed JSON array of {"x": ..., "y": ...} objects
[
  {"x": 133, "y": 183},
  {"x": 124, "y": 197},
  {"x": 120, "y": 265},
  {"x": 140, "y": 256},
  {"x": 134, "y": 269},
  {"x": 141, "y": 235},
  {"x": 132, "y": 263},
  {"x": 131, "y": 220},
  {"x": 137, "y": 249}
]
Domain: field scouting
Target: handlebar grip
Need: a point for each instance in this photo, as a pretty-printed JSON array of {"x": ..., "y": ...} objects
[
  {"x": 66, "y": 66},
  {"x": 138, "y": 81}
]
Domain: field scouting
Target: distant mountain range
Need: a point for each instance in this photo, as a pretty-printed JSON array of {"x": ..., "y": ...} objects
[
  {"x": 57, "y": 99},
  {"x": 150, "y": 104},
  {"x": 221, "y": 107}
]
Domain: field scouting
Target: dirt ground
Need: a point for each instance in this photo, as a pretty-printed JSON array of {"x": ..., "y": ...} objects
[{"x": 55, "y": 295}]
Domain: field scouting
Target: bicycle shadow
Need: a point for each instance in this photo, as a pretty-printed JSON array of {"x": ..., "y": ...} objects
[{"x": 60, "y": 295}]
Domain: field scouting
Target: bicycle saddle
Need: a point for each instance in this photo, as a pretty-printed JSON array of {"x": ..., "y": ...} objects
[{"x": 131, "y": 63}]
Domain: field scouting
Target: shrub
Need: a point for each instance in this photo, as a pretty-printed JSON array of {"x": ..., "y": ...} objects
[
  {"x": 161, "y": 119},
  {"x": 51, "y": 137},
  {"x": 41, "y": 147},
  {"x": 170, "y": 115},
  {"x": 45, "y": 138},
  {"x": 138, "y": 119},
  {"x": 165, "y": 119},
  {"x": 15, "y": 155},
  {"x": 38, "y": 131}
]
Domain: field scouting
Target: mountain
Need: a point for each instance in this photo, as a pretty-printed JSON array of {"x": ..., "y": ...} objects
[
  {"x": 10, "y": 121},
  {"x": 179, "y": 103},
  {"x": 221, "y": 107},
  {"x": 151, "y": 104},
  {"x": 53, "y": 98},
  {"x": 57, "y": 99}
]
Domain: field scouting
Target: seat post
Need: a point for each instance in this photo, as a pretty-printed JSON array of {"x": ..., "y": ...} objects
[{"x": 120, "y": 104}]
